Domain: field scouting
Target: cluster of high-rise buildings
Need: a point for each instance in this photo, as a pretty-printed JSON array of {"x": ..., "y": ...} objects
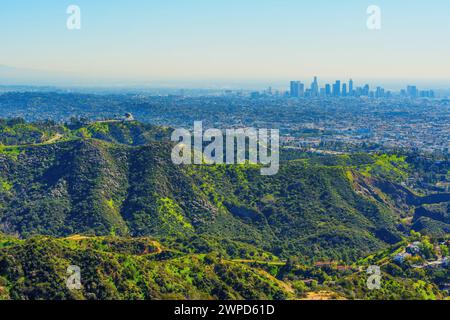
[
  {"x": 339, "y": 89},
  {"x": 413, "y": 92}
]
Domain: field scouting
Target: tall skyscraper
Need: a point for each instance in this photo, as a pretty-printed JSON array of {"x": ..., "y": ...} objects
[
  {"x": 295, "y": 89},
  {"x": 366, "y": 90},
  {"x": 327, "y": 90},
  {"x": 301, "y": 89},
  {"x": 350, "y": 87},
  {"x": 344, "y": 90},
  {"x": 379, "y": 93},
  {"x": 337, "y": 88},
  {"x": 411, "y": 91},
  {"x": 315, "y": 87}
]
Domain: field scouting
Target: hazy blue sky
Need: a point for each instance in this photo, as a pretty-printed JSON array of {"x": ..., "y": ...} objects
[{"x": 229, "y": 39}]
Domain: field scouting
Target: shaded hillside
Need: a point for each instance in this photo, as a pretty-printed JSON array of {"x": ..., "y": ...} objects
[
  {"x": 433, "y": 219},
  {"x": 94, "y": 187},
  {"x": 117, "y": 177},
  {"x": 306, "y": 210},
  {"x": 143, "y": 268},
  {"x": 118, "y": 269},
  {"x": 140, "y": 227}
]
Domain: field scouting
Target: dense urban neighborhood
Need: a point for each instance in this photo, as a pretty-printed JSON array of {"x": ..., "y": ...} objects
[{"x": 333, "y": 124}]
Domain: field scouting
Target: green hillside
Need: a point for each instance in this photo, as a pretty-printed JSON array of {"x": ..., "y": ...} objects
[
  {"x": 142, "y": 268},
  {"x": 116, "y": 179},
  {"x": 93, "y": 187},
  {"x": 125, "y": 269}
]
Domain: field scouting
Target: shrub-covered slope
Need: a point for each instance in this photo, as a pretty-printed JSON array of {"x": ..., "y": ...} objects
[
  {"x": 94, "y": 187},
  {"x": 117, "y": 177},
  {"x": 112, "y": 268}
]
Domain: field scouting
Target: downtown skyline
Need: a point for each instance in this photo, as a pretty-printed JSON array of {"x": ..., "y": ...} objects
[{"x": 339, "y": 88}]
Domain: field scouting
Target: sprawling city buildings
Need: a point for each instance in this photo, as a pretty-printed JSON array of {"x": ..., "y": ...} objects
[
  {"x": 332, "y": 117},
  {"x": 339, "y": 89}
]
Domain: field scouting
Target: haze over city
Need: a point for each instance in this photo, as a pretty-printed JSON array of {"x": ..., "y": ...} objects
[{"x": 224, "y": 43}]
